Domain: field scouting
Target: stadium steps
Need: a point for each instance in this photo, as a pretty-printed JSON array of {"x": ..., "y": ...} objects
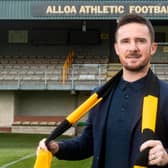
[
  {"x": 161, "y": 70},
  {"x": 38, "y": 125}
]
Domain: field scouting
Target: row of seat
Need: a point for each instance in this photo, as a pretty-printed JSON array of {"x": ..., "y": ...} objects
[
  {"x": 42, "y": 72},
  {"x": 34, "y": 123},
  {"x": 27, "y": 61},
  {"x": 52, "y": 61},
  {"x": 81, "y": 72}
]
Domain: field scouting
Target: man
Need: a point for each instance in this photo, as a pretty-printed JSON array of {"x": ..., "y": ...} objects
[{"x": 113, "y": 133}]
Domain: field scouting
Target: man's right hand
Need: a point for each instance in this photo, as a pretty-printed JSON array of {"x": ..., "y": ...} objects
[{"x": 52, "y": 146}]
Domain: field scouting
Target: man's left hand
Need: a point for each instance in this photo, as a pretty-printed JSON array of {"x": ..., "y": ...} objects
[{"x": 157, "y": 153}]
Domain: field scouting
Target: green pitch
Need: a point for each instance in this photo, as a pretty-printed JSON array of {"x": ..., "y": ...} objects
[{"x": 18, "y": 151}]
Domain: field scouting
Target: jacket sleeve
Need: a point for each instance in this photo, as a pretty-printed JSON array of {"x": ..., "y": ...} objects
[{"x": 77, "y": 148}]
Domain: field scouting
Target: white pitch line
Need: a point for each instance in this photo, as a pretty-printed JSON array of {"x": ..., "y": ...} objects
[{"x": 16, "y": 161}]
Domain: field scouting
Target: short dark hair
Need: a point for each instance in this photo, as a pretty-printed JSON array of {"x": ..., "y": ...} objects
[{"x": 135, "y": 18}]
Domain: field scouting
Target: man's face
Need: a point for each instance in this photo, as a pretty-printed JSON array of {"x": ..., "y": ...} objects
[{"x": 134, "y": 47}]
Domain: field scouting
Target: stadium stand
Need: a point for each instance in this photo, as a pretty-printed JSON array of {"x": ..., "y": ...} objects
[
  {"x": 46, "y": 73},
  {"x": 40, "y": 73},
  {"x": 31, "y": 73}
]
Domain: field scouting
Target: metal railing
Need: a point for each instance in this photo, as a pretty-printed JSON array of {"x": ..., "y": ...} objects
[{"x": 81, "y": 76}]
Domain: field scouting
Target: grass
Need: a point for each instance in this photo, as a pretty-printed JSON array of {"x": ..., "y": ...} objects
[{"x": 15, "y": 146}]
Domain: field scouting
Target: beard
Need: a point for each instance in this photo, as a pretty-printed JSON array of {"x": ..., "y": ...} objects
[{"x": 137, "y": 68}]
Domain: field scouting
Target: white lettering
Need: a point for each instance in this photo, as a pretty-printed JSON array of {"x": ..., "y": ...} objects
[
  {"x": 49, "y": 10},
  {"x": 88, "y": 9},
  {"x": 61, "y": 9},
  {"x": 148, "y": 9},
  {"x": 121, "y": 9},
  {"x": 106, "y": 9}
]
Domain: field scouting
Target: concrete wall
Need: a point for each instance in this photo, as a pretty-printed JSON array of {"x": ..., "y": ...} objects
[
  {"x": 7, "y": 108},
  {"x": 47, "y": 103},
  {"x": 38, "y": 103}
]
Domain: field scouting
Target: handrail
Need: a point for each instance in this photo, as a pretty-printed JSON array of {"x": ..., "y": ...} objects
[
  {"x": 67, "y": 65},
  {"x": 33, "y": 77},
  {"x": 162, "y": 43}
]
